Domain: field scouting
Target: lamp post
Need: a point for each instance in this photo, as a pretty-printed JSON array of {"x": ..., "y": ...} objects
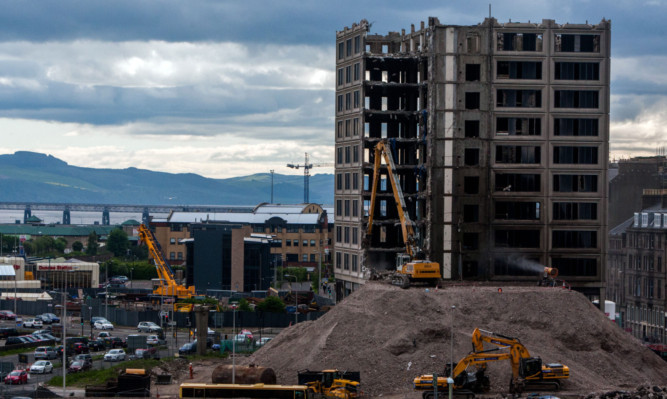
[
  {"x": 451, "y": 342},
  {"x": 131, "y": 270},
  {"x": 234, "y": 345},
  {"x": 64, "y": 341},
  {"x": 296, "y": 301}
]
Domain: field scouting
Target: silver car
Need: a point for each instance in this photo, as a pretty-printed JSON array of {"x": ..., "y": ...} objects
[
  {"x": 41, "y": 367},
  {"x": 148, "y": 326},
  {"x": 114, "y": 355}
]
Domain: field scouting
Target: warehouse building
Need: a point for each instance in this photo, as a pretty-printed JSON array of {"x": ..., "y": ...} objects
[{"x": 499, "y": 132}]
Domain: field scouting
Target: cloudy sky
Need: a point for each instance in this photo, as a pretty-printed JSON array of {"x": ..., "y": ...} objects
[{"x": 229, "y": 88}]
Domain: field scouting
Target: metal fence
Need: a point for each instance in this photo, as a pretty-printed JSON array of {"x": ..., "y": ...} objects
[{"x": 127, "y": 317}]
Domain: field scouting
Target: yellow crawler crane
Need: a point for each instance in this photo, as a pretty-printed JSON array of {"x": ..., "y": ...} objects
[
  {"x": 409, "y": 269},
  {"x": 167, "y": 284}
]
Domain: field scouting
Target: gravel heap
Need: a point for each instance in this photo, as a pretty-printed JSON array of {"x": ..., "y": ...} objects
[
  {"x": 393, "y": 335},
  {"x": 642, "y": 392}
]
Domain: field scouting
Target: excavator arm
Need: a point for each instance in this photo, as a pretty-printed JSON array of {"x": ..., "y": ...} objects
[{"x": 382, "y": 151}]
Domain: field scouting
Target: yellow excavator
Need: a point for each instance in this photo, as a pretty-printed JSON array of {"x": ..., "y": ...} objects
[
  {"x": 527, "y": 371},
  {"x": 331, "y": 383},
  {"x": 409, "y": 269},
  {"x": 167, "y": 284}
]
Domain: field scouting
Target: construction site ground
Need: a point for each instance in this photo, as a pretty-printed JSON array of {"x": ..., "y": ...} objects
[{"x": 392, "y": 335}]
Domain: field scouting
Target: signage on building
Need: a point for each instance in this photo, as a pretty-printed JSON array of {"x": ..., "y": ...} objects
[
  {"x": 23, "y": 237},
  {"x": 59, "y": 267}
]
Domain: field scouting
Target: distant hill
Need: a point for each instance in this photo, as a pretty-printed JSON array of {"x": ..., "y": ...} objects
[{"x": 34, "y": 177}]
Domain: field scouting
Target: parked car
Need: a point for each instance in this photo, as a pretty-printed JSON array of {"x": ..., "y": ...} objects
[
  {"x": 242, "y": 339},
  {"x": 6, "y": 332},
  {"x": 122, "y": 279},
  {"x": 45, "y": 352},
  {"x": 52, "y": 317},
  {"x": 189, "y": 348},
  {"x": 96, "y": 345},
  {"x": 33, "y": 323},
  {"x": 41, "y": 367},
  {"x": 148, "y": 326},
  {"x": 17, "y": 377},
  {"x": 27, "y": 338},
  {"x": 84, "y": 357},
  {"x": 46, "y": 337},
  {"x": 114, "y": 355},
  {"x": 104, "y": 334},
  {"x": 103, "y": 325},
  {"x": 146, "y": 353},
  {"x": 153, "y": 340},
  {"x": 117, "y": 342},
  {"x": 44, "y": 318},
  {"x": 77, "y": 366},
  {"x": 96, "y": 318},
  {"x": 59, "y": 350},
  {"x": 263, "y": 341},
  {"x": 7, "y": 315},
  {"x": 80, "y": 347},
  {"x": 44, "y": 331}
]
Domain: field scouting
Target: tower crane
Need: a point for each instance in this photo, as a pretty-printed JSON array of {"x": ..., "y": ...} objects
[{"x": 306, "y": 175}]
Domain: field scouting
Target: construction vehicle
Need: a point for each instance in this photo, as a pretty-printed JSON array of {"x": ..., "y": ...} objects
[
  {"x": 332, "y": 383},
  {"x": 466, "y": 383},
  {"x": 527, "y": 371},
  {"x": 167, "y": 284},
  {"x": 409, "y": 269}
]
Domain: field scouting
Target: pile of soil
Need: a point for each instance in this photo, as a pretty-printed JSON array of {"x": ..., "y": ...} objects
[{"x": 392, "y": 335}]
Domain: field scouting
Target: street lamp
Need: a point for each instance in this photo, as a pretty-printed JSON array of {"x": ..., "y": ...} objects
[
  {"x": 296, "y": 301},
  {"x": 451, "y": 342}
]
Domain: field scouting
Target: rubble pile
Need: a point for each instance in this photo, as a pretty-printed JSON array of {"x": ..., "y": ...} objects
[
  {"x": 642, "y": 392},
  {"x": 392, "y": 335}
]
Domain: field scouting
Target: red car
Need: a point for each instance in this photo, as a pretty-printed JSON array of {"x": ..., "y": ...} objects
[
  {"x": 7, "y": 315},
  {"x": 17, "y": 377}
]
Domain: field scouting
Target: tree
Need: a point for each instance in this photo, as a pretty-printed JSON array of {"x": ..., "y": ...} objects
[
  {"x": 272, "y": 304},
  {"x": 118, "y": 242},
  {"x": 77, "y": 246},
  {"x": 244, "y": 305},
  {"x": 61, "y": 244},
  {"x": 91, "y": 249}
]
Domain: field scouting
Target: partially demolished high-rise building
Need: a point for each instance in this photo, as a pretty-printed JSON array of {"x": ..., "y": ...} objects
[{"x": 499, "y": 132}]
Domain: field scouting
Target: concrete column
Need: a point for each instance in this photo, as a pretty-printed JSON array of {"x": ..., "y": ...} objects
[{"x": 201, "y": 323}]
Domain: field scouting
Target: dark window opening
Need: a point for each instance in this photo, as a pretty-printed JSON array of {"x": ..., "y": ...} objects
[
  {"x": 519, "y": 126},
  {"x": 575, "y": 266},
  {"x": 471, "y": 213},
  {"x": 577, "y": 71},
  {"x": 575, "y": 183},
  {"x": 470, "y": 241},
  {"x": 576, "y": 127},
  {"x": 516, "y": 182},
  {"x": 575, "y": 211},
  {"x": 471, "y": 128},
  {"x": 506, "y": 210},
  {"x": 472, "y": 100},
  {"x": 471, "y": 184},
  {"x": 576, "y": 99},
  {"x": 575, "y": 155},
  {"x": 574, "y": 239},
  {"x": 518, "y": 70},
  {"x": 518, "y": 98},
  {"x": 568, "y": 43},
  {"x": 473, "y": 72},
  {"x": 519, "y": 41},
  {"x": 471, "y": 156},
  {"x": 517, "y": 154},
  {"x": 517, "y": 238}
]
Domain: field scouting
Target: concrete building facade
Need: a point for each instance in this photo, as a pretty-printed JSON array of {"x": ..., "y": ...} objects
[{"x": 500, "y": 136}]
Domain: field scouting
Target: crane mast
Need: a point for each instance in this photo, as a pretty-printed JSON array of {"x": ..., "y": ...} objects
[{"x": 168, "y": 285}]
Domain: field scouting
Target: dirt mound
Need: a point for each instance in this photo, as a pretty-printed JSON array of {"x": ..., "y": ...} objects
[{"x": 392, "y": 335}]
